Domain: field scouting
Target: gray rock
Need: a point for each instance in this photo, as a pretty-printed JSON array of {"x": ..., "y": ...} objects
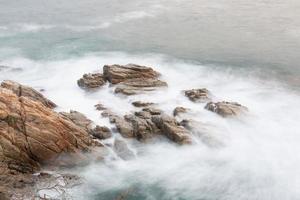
[{"x": 226, "y": 109}]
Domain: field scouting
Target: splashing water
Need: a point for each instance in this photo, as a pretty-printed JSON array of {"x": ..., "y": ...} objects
[{"x": 258, "y": 156}]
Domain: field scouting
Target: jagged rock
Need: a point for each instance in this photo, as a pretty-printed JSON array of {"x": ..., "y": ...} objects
[
  {"x": 197, "y": 95},
  {"x": 132, "y": 79},
  {"x": 122, "y": 150},
  {"x": 226, "y": 109},
  {"x": 25, "y": 91},
  {"x": 142, "y": 104},
  {"x": 101, "y": 132},
  {"x": 148, "y": 123},
  {"x": 179, "y": 110},
  {"x": 91, "y": 81},
  {"x": 32, "y": 134},
  {"x": 79, "y": 119},
  {"x": 172, "y": 129}
]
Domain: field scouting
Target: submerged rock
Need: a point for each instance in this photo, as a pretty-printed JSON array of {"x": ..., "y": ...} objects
[
  {"x": 122, "y": 150},
  {"x": 132, "y": 79},
  {"x": 179, "y": 110},
  {"x": 91, "y": 81},
  {"x": 25, "y": 91},
  {"x": 226, "y": 109},
  {"x": 198, "y": 95}
]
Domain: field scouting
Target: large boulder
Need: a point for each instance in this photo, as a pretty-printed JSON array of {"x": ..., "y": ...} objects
[
  {"x": 25, "y": 91},
  {"x": 198, "y": 95},
  {"x": 132, "y": 79},
  {"x": 91, "y": 81},
  {"x": 226, "y": 109}
]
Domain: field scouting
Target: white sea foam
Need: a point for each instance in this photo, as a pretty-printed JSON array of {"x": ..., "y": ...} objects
[{"x": 259, "y": 157}]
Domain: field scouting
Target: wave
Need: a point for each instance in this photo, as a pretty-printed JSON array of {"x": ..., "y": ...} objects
[{"x": 258, "y": 159}]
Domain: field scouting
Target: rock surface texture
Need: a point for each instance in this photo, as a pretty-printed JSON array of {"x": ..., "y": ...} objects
[
  {"x": 132, "y": 79},
  {"x": 32, "y": 134},
  {"x": 91, "y": 81},
  {"x": 198, "y": 95},
  {"x": 148, "y": 123},
  {"x": 226, "y": 109}
]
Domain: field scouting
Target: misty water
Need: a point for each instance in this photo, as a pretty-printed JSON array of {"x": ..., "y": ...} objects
[{"x": 244, "y": 51}]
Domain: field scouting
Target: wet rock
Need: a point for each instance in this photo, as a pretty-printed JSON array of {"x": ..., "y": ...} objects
[
  {"x": 26, "y": 91},
  {"x": 33, "y": 134},
  {"x": 91, "y": 81},
  {"x": 121, "y": 73},
  {"x": 172, "y": 129},
  {"x": 122, "y": 150},
  {"x": 179, "y": 110},
  {"x": 226, "y": 109},
  {"x": 101, "y": 132},
  {"x": 197, "y": 95},
  {"x": 79, "y": 119},
  {"x": 100, "y": 107},
  {"x": 132, "y": 79},
  {"x": 141, "y": 104}
]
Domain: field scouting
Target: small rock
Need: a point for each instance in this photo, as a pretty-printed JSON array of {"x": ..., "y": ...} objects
[
  {"x": 91, "y": 81},
  {"x": 100, "y": 107},
  {"x": 101, "y": 132},
  {"x": 197, "y": 95},
  {"x": 179, "y": 110},
  {"x": 141, "y": 104},
  {"x": 226, "y": 109}
]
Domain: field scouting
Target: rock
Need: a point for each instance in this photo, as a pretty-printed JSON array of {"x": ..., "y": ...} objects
[
  {"x": 170, "y": 128},
  {"x": 179, "y": 110},
  {"x": 149, "y": 122},
  {"x": 142, "y": 104},
  {"x": 198, "y": 95},
  {"x": 33, "y": 134},
  {"x": 132, "y": 79},
  {"x": 100, "y": 107},
  {"x": 120, "y": 73},
  {"x": 101, "y": 132},
  {"x": 25, "y": 91},
  {"x": 79, "y": 119},
  {"x": 122, "y": 150},
  {"x": 226, "y": 109},
  {"x": 91, "y": 81}
]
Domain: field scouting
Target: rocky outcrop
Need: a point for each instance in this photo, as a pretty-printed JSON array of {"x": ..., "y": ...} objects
[
  {"x": 148, "y": 123},
  {"x": 99, "y": 132},
  {"x": 141, "y": 104},
  {"x": 25, "y": 91},
  {"x": 132, "y": 79},
  {"x": 226, "y": 109},
  {"x": 198, "y": 95},
  {"x": 91, "y": 81}
]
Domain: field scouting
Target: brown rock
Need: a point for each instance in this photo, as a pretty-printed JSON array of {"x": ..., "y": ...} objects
[
  {"x": 91, "y": 81},
  {"x": 179, "y": 110},
  {"x": 132, "y": 79},
  {"x": 226, "y": 109},
  {"x": 121, "y": 73},
  {"x": 198, "y": 95},
  {"x": 32, "y": 134},
  {"x": 142, "y": 104},
  {"x": 100, "y": 107},
  {"x": 25, "y": 91},
  {"x": 101, "y": 132}
]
